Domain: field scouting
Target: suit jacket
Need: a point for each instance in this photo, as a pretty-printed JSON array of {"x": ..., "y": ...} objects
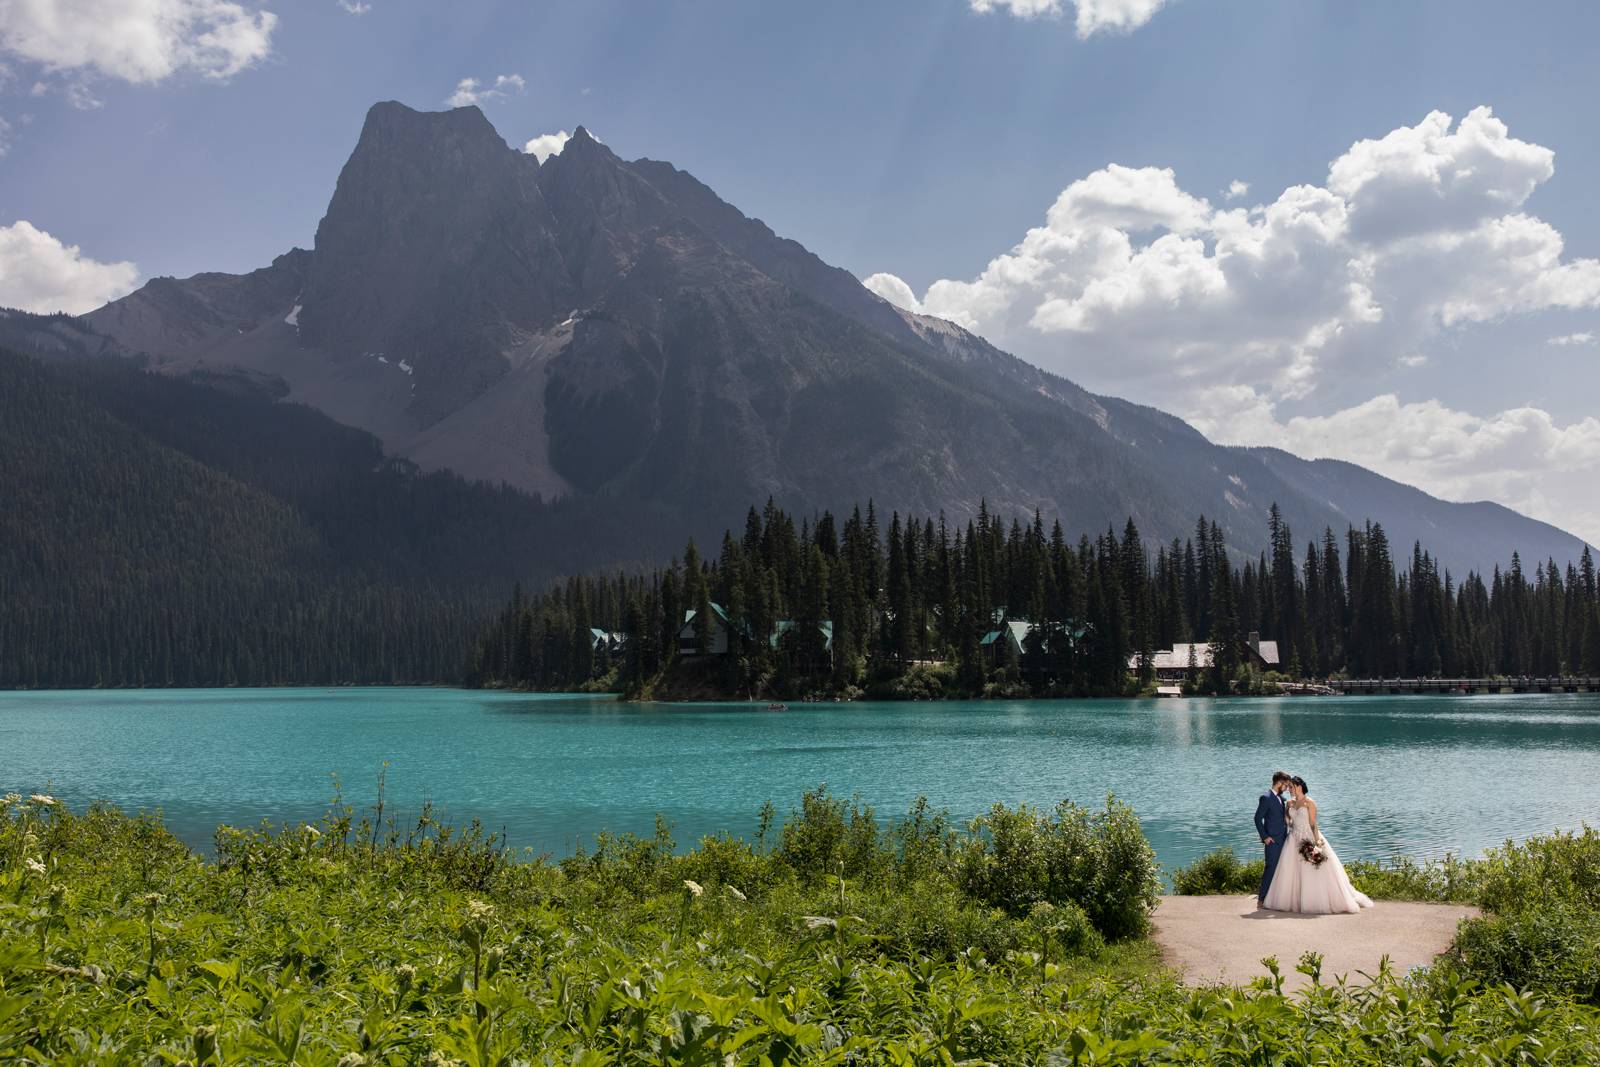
[{"x": 1270, "y": 820}]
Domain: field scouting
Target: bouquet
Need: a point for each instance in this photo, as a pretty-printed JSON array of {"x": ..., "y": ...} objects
[{"x": 1312, "y": 853}]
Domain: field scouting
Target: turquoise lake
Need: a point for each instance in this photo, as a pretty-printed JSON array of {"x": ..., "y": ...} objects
[{"x": 1395, "y": 775}]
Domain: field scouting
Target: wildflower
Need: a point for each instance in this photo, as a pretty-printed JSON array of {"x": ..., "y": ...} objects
[
  {"x": 406, "y": 973},
  {"x": 352, "y": 1059},
  {"x": 44, "y": 800},
  {"x": 735, "y": 894},
  {"x": 313, "y": 833},
  {"x": 151, "y": 901},
  {"x": 10, "y": 799},
  {"x": 821, "y": 922},
  {"x": 694, "y": 888},
  {"x": 439, "y": 1059},
  {"x": 34, "y": 865},
  {"x": 479, "y": 912}
]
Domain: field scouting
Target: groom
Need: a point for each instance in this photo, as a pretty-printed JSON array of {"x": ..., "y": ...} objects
[{"x": 1272, "y": 828}]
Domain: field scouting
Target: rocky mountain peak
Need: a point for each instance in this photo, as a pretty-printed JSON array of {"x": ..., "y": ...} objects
[
  {"x": 609, "y": 328},
  {"x": 392, "y": 127}
]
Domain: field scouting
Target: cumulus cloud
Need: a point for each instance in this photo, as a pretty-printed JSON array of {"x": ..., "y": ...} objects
[
  {"x": 1090, "y": 16},
  {"x": 1236, "y": 189},
  {"x": 1568, "y": 339},
  {"x": 1428, "y": 178},
  {"x": 893, "y": 290},
  {"x": 355, "y": 7},
  {"x": 1132, "y": 285},
  {"x": 41, "y": 274},
  {"x": 472, "y": 91},
  {"x": 138, "y": 41},
  {"x": 1522, "y": 457},
  {"x": 547, "y": 144}
]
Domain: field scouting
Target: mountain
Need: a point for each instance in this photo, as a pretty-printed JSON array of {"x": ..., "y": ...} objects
[
  {"x": 161, "y": 531},
  {"x": 594, "y": 328}
]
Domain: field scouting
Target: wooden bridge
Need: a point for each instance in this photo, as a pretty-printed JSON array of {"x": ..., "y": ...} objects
[{"x": 1566, "y": 684}]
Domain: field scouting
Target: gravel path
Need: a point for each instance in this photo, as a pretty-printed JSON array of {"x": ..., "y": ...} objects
[{"x": 1224, "y": 939}]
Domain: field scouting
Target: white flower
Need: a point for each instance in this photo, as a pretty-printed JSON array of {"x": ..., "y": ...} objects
[
  {"x": 312, "y": 832},
  {"x": 44, "y": 800},
  {"x": 10, "y": 799},
  {"x": 694, "y": 888},
  {"x": 734, "y": 892},
  {"x": 35, "y": 866}
]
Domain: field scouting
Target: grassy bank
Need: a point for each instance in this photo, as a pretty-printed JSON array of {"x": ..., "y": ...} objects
[{"x": 834, "y": 937}]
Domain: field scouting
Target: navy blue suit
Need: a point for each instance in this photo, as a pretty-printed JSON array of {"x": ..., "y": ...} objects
[{"x": 1270, "y": 822}]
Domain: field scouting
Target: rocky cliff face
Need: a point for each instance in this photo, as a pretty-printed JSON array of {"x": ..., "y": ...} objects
[{"x": 601, "y": 327}]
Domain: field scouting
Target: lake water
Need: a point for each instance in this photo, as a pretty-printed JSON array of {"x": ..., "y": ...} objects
[{"x": 1394, "y": 775}]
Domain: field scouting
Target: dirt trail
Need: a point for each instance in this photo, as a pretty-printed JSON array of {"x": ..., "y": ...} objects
[{"x": 1224, "y": 939}]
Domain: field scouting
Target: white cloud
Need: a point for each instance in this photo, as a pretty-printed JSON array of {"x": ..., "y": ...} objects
[
  {"x": 1521, "y": 457},
  {"x": 1091, "y": 16},
  {"x": 5, "y": 136},
  {"x": 138, "y": 41},
  {"x": 1236, "y": 189},
  {"x": 472, "y": 91},
  {"x": 1584, "y": 338},
  {"x": 38, "y": 273},
  {"x": 1132, "y": 285},
  {"x": 355, "y": 7},
  {"x": 80, "y": 96},
  {"x": 894, "y": 290},
  {"x": 1428, "y": 178},
  {"x": 546, "y": 145}
]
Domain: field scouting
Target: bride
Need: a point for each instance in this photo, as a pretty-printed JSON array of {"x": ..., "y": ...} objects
[{"x": 1298, "y": 884}]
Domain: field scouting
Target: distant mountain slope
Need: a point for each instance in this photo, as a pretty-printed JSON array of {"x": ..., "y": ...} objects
[
  {"x": 598, "y": 329},
  {"x": 157, "y": 531},
  {"x": 1466, "y": 535}
]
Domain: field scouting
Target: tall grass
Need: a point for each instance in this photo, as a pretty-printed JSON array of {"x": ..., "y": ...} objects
[{"x": 832, "y": 938}]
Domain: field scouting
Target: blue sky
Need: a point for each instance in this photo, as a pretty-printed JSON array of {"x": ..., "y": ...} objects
[{"x": 922, "y": 140}]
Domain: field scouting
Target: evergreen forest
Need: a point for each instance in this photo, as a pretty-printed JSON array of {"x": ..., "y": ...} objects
[
  {"x": 911, "y": 603},
  {"x": 166, "y": 532}
]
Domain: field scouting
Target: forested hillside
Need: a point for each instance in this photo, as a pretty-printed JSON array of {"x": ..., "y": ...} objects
[
  {"x": 163, "y": 532},
  {"x": 909, "y": 606}
]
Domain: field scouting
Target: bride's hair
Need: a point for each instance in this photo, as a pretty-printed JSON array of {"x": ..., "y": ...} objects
[{"x": 1301, "y": 782}]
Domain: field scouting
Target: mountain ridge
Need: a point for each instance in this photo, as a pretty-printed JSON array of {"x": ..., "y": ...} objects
[{"x": 598, "y": 327}]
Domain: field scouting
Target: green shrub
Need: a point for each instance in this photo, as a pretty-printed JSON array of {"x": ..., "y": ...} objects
[
  {"x": 1555, "y": 949},
  {"x": 1218, "y": 873},
  {"x": 1558, "y": 868},
  {"x": 1066, "y": 928},
  {"x": 1450, "y": 880},
  {"x": 925, "y": 681},
  {"x": 723, "y": 860},
  {"x": 1100, "y": 862},
  {"x": 828, "y": 837}
]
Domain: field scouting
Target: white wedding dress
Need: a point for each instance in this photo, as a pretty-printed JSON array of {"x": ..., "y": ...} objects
[{"x": 1300, "y": 887}]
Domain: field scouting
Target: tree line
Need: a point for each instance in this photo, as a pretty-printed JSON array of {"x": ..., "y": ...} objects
[{"x": 921, "y": 595}]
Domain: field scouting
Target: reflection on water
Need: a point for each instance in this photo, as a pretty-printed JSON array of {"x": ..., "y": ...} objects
[{"x": 1417, "y": 775}]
